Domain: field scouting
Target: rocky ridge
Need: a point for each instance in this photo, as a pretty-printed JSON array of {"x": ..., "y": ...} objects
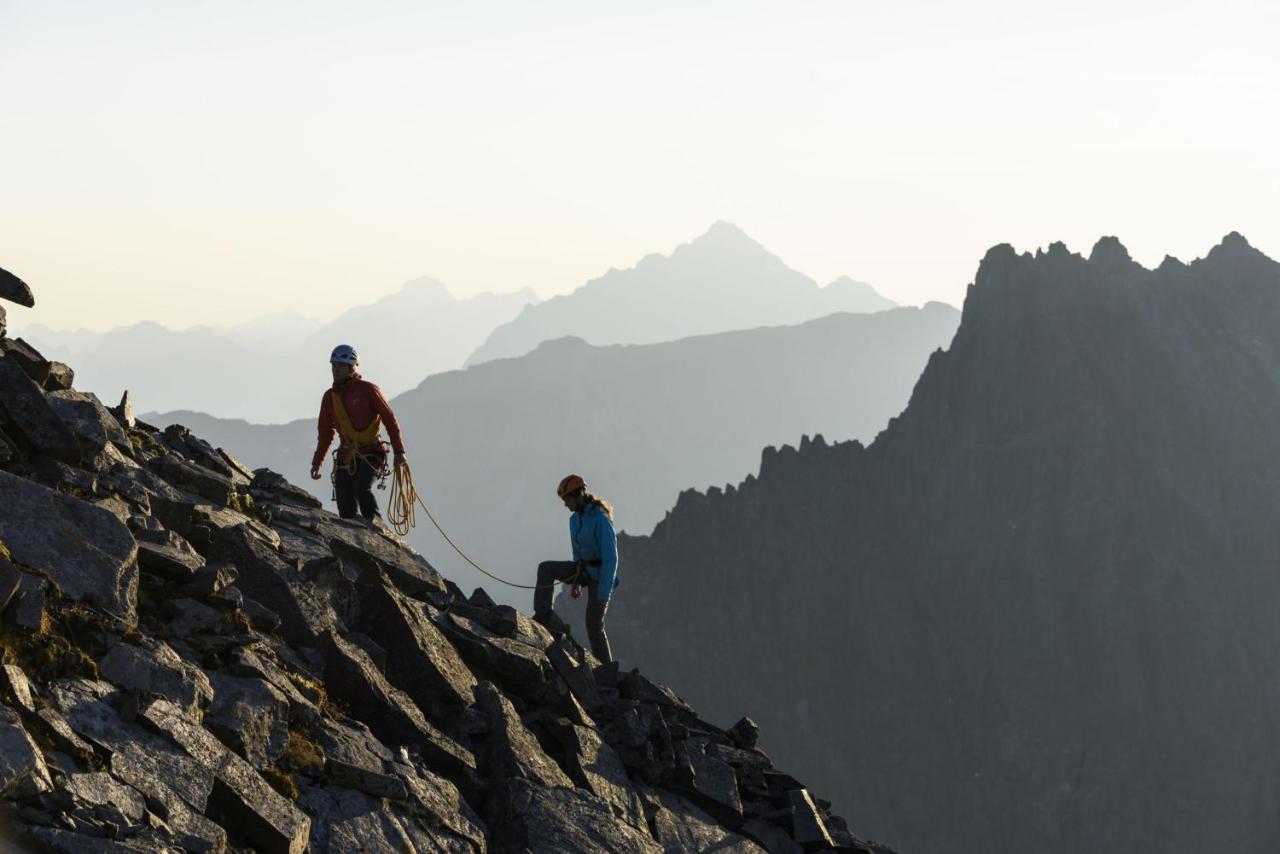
[
  {"x": 1037, "y": 613},
  {"x": 198, "y": 657}
]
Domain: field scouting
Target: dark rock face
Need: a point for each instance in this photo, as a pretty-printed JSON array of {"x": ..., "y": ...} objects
[
  {"x": 82, "y": 548},
  {"x": 199, "y": 658},
  {"x": 1036, "y": 608},
  {"x": 15, "y": 290}
]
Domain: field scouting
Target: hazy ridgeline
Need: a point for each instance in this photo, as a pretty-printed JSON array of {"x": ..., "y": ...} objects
[
  {"x": 265, "y": 370},
  {"x": 1038, "y": 613},
  {"x": 719, "y": 282},
  {"x": 641, "y": 423}
]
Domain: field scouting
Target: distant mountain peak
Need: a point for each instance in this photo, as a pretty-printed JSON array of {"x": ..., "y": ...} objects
[
  {"x": 721, "y": 237},
  {"x": 1110, "y": 252}
]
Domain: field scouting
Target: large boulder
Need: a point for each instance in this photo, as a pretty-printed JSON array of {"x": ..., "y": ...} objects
[
  {"x": 350, "y": 822},
  {"x": 256, "y": 810},
  {"x": 304, "y": 613},
  {"x": 679, "y": 825},
  {"x": 15, "y": 290},
  {"x": 25, "y": 414},
  {"x": 82, "y": 548},
  {"x": 22, "y": 768},
  {"x": 88, "y": 419},
  {"x": 514, "y": 751},
  {"x": 596, "y": 767},
  {"x": 88, "y": 708},
  {"x": 525, "y": 816},
  {"x": 250, "y": 716},
  {"x": 424, "y": 665},
  {"x": 152, "y": 666},
  {"x": 352, "y": 678}
]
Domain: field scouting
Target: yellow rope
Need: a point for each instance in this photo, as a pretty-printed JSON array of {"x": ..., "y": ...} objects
[{"x": 401, "y": 515}]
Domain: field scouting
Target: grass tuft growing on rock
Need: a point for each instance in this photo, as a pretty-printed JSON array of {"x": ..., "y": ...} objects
[
  {"x": 302, "y": 754},
  {"x": 281, "y": 782}
]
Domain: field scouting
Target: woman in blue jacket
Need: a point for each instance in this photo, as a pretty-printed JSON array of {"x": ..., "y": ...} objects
[{"x": 594, "y": 564}]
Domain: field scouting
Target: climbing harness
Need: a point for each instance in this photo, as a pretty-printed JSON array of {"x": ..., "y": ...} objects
[{"x": 354, "y": 438}]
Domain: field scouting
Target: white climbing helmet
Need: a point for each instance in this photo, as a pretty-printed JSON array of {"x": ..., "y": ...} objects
[{"x": 343, "y": 354}]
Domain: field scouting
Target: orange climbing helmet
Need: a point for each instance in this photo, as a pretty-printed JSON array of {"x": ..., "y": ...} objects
[{"x": 570, "y": 485}]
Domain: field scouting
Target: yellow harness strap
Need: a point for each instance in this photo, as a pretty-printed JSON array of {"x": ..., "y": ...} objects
[{"x": 355, "y": 439}]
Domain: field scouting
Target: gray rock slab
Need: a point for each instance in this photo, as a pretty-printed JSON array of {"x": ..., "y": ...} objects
[
  {"x": 680, "y": 825},
  {"x": 808, "y": 827},
  {"x": 88, "y": 419},
  {"x": 173, "y": 560},
  {"x": 305, "y": 612},
  {"x": 152, "y": 666},
  {"x": 596, "y": 767},
  {"x": 444, "y": 806},
  {"x": 187, "y": 617},
  {"x": 86, "y": 707},
  {"x": 262, "y": 814},
  {"x": 191, "y": 830},
  {"x": 351, "y": 677},
  {"x": 26, "y": 415},
  {"x": 525, "y": 816},
  {"x": 425, "y": 664},
  {"x": 353, "y": 758},
  {"x": 16, "y": 689},
  {"x": 101, "y": 789},
  {"x": 22, "y": 768},
  {"x": 249, "y": 716},
  {"x": 512, "y": 750},
  {"x": 351, "y": 822},
  {"x": 69, "y": 842},
  {"x": 85, "y": 550}
]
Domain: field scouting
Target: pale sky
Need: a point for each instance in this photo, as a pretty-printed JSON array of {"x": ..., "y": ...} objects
[{"x": 208, "y": 162}]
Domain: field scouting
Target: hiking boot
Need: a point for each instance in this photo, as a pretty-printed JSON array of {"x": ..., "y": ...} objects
[{"x": 551, "y": 621}]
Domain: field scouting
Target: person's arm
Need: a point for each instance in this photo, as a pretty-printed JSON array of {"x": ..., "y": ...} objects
[
  {"x": 575, "y": 521},
  {"x": 608, "y": 542},
  {"x": 383, "y": 409},
  {"x": 326, "y": 426}
]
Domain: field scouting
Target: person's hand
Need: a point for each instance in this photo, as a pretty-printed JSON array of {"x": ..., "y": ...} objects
[
  {"x": 399, "y": 460},
  {"x": 315, "y": 472}
]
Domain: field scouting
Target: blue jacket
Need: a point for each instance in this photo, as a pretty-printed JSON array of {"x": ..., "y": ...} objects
[{"x": 592, "y": 536}]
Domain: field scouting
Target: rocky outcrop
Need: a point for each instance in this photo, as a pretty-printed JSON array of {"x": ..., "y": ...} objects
[
  {"x": 15, "y": 290},
  {"x": 1040, "y": 608},
  {"x": 199, "y": 658}
]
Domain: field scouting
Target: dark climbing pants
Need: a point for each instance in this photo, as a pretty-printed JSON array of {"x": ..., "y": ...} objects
[
  {"x": 562, "y": 570},
  {"x": 356, "y": 489}
]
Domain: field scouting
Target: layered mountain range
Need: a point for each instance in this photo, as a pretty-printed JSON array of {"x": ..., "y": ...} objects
[
  {"x": 1038, "y": 613},
  {"x": 265, "y": 369},
  {"x": 723, "y": 280},
  {"x": 641, "y": 423},
  {"x": 197, "y": 657}
]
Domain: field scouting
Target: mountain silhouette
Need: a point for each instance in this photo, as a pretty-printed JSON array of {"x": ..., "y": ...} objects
[
  {"x": 718, "y": 282},
  {"x": 640, "y": 422},
  {"x": 1038, "y": 613}
]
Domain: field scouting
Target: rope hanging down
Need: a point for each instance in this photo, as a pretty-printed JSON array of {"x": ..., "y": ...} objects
[{"x": 402, "y": 516}]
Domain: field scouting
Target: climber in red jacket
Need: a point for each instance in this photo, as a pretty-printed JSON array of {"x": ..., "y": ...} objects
[{"x": 356, "y": 410}]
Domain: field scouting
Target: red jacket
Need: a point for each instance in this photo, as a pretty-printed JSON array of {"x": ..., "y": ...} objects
[{"x": 362, "y": 400}]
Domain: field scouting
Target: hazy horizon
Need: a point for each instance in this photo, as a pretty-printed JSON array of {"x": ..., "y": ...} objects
[{"x": 198, "y": 165}]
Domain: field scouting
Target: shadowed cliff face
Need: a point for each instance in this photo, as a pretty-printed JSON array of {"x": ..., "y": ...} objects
[{"x": 1038, "y": 613}]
